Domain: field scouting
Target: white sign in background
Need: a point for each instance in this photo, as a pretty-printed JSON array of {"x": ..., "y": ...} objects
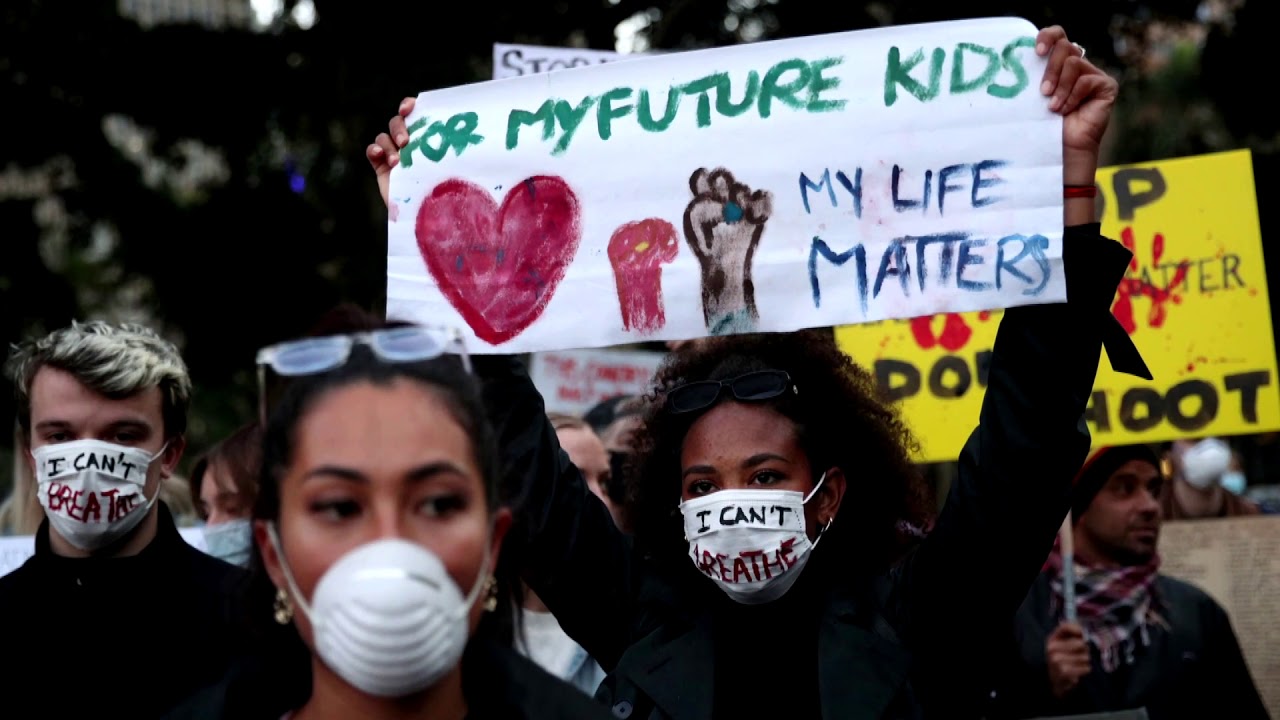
[
  {"x": 813, "y": 182},
  {"x": 574, "y": 381},
  {"x": 518, "y": 60}
]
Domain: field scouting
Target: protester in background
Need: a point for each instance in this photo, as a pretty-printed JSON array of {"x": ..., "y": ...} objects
[
  {"x": 1234, "y": 480},
  {"x": 784, "y": 425},
  {"x": 541, "y": 638},
  {"x": 1142, "y": 640},
  {"x": 224, "y": 485},
  {"x": 378, "y": 528},
  {"x": 582, "y": 444},
  {"x": 20, "y": 513},
  {"x": 1196, "y": 491},
  {"x": 113, "y": 591},
  {"x": 614, "y": 422}
]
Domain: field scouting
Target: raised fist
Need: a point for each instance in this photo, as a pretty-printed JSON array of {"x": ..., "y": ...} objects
[
  {"x": 637, "y": 251},
  {"x": 723, "y": 224}
]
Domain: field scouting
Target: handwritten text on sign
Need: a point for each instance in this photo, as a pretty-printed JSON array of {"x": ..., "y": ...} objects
[
  {"x": 1194, "y": 300},
  {"x": 574, "y": 381},
  {"x": 767, "y": 187},
  {"x": 518, "y": 60}
]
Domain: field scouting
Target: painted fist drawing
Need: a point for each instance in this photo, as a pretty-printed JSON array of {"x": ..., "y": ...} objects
[
  {"x": 723, "y": 224},
  {"x": 637, "y": 252}
]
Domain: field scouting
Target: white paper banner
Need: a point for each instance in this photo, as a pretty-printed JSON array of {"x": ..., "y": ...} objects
[
  {"x": 813, "y": 182},
  {"x": 574, "y": 381},
  {"x": 17, "y": 549},
  {"x": 518, "y": 60}
]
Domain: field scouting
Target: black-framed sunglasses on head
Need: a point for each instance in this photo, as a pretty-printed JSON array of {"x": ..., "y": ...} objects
[
  {"x": 751, "y": 387},
  {"x": 312, "y": 356}
]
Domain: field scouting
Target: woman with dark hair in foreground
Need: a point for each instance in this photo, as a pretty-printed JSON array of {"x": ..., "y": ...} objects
[
  {"x": 378, "y": 529},
  {"x": 770, "y": 575}
]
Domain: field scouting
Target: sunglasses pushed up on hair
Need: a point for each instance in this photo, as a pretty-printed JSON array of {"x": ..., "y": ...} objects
[
  {"x": 756, "y": 386},
  {"x": 312, "y": 356}
]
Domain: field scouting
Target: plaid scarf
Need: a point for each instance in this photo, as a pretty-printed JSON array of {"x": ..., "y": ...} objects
[{"x": 1115, "y": 606}]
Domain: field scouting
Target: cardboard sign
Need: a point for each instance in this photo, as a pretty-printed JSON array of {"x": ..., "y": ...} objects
[
  {"x": 1194, "y": 300},
  {"x": 518, "y": 60},
  {"x": 1236, "y": 561},
  {"x": 574, "y": 381},
  {"x": 774, "y": 186}
]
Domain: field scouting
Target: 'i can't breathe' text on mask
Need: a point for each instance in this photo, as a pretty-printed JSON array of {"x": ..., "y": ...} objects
[
  {"x": 751, "y": 543},
  {"x": 93, "y": 492}
]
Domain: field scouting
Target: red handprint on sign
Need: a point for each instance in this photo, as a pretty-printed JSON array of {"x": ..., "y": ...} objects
[
  {"x": 955, "y": 331},
  {"x": 1139, "y": 284}
]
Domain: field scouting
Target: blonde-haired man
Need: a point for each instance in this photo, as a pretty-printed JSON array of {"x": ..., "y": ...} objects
[{"x": 113, "y": 597}]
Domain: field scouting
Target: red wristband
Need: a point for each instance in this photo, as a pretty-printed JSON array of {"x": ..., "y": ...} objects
[{"x": 1079, "y": 191}]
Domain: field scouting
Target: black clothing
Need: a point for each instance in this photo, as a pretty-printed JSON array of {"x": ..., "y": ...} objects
[
  {"x": 914, "y": 641},
  {"x": 1192, "y": 669},
  {"x": 498, "y": 684},
  {"x": 117, "y": 637}
]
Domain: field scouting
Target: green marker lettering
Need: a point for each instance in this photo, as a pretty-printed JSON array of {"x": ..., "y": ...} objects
[
  {"x": 519, "y": 118},
  {"x": 958, "y": 84},
  {"x": 897, "y": 73},
  {"x": 458, "y": 132},
  {"x": 819, "y": 84},
  {"x": 787, "y": 93},
  {"x": 701, "y": 87},
  {"x": 724, "y": 101},
  {"x": 645, "y": 115},
  {"x": 1014, "y": 65},
  {"x": 569, "y": 118},
  {"x": 606, "y": 113},
  {"x": 462, "y": 131}
]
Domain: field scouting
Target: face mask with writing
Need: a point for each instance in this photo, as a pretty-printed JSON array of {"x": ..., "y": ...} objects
[
  {"x": 93, "y": 492},
  {"x": 751, "y": 543}
]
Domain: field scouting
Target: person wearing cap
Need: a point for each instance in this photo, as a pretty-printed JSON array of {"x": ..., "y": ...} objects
[{"x": 1140, "y": 639}]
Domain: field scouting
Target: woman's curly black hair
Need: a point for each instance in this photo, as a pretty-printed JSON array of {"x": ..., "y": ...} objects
[{"x": 842, "y": 421}]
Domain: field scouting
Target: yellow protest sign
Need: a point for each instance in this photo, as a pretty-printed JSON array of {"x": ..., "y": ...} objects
[{"x": 1194, "y": 301}]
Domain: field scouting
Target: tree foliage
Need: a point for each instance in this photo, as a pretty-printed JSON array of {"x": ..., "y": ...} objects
[{"x": 214, "y": 179}]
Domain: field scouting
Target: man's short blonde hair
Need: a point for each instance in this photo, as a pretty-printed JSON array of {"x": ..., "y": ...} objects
[{"x": 115, "y": 360}]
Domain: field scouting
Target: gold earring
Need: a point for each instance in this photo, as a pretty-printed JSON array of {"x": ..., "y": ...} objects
[
  {"x": 283, "y": 607},
  {"x": 491, "y": 594}
]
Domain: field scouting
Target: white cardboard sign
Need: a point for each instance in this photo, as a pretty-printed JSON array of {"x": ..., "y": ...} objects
[
  {"x": 814, "y": 182},
  {"x": 574, "y": 381},
  {"x": 519, "y": 60}
]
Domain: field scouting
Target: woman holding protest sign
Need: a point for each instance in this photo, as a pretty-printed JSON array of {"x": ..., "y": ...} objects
[
  {"x": 771, "y": 575},
  {"x": 378, "y": 528}
]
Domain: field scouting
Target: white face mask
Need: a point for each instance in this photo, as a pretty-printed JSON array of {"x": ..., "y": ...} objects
[
  {"x": 1205, "y": 462},
  {"x": 93, "y": 492},
  {"x": 386, "y": 617},
  {"x": 751, "y": 543},
  {"x": 230, "y": 541}
]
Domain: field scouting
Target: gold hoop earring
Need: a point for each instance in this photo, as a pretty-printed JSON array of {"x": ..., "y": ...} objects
[
  {"x": 283, "y": 607},
  {"x": 491, "y": 594}
]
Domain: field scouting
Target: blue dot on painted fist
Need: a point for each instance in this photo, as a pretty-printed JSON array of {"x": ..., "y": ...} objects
[{"x": 732, "y": 212}]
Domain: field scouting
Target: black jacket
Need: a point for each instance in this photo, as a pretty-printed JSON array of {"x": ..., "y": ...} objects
[
  {"x": 1194, "y": 669},
  {"x": 918, "y": 643},
  {"x": 117, "y": 637},
  {"x": 498, "y": 683}
]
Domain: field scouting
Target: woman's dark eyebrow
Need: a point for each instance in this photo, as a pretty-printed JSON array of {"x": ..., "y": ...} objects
[
  {"x": 336, "y": 471},
  {"x": 435, "y": 469},
  {"x": 761, "y": 459},
  {"x": 698, "y": 470}
]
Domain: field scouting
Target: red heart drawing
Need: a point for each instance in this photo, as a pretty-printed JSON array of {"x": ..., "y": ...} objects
[{"x": 499, "y": 266}]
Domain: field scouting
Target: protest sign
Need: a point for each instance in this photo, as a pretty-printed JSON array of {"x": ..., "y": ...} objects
[
  {"x": 774, "y": 186},
  {"x": 17, "y": 549},
  {"x": 574, "y": 381},
  {"x": 1194, "y": 301},
  {"x": 517, "y": 60},
  {"x": 1236, "y": 561}
]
